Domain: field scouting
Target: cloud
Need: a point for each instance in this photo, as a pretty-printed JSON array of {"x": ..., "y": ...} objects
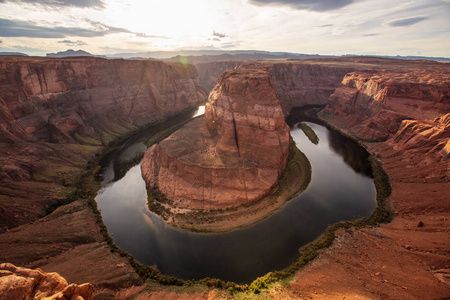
[
  {"x": 18, "y": 28},
  {"x": 315, "y": 5},
  {"x": 1, "y": 41},
  {"x": 230, "y": 44},
  {"x": 219, "y": 35},
  {"x": 74, "y": 43},
  {"x": 144, "y": 35},
  {"x": 406, "y": 21},
  {"x": 370, "y": 34},
  {"x": 325, "y": 25},
  {"x": 62, "y": 3}
]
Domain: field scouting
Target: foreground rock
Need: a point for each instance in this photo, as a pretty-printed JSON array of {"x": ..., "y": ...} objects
[
  {"x": 233, "y": 155},
  {"x": 22, "y": 283}
]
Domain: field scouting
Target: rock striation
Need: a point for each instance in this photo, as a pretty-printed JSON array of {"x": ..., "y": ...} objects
[
  {"x": 23, "y": 283},
  {"x": 64, "y": 100},
  {"x": 297, "y": 83},
  {"x": 306, "y": 83},
  {"x": 233, "y": 155},
  {"x": 407, "y": 110},
  {"x": 374, "y": 104},
  {"x": 56, "y": 114}
]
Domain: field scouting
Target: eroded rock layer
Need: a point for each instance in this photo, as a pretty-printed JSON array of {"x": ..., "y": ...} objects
[
  {"x": 373, "y": 104},
  {"x": 231, "y": 156},
  {"x": 64, "y": 100},
  {"x": 55, "y": 114}
]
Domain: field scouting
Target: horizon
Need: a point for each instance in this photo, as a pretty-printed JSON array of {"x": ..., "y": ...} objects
[
  {"x": 344, "y": 27},
  {"x": 159, "y": 54}
]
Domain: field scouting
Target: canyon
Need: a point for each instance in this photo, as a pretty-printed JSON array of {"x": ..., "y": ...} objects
[{"x": 57, "y": 114}]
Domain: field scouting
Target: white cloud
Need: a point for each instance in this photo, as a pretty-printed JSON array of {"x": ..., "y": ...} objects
[{"x": 323, "y": 27}]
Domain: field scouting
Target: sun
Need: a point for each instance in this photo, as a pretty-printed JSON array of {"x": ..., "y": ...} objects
[{"x": 175, "y": 19}]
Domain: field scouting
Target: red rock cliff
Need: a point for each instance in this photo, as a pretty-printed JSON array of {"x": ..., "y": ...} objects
[
  {"x": 61, "y": 100},
  {"x": 296, "y": 83},
  {"x": 233, "y": 155},
  {"x": 373, "y": 104},
  {"x": 305, "y": 83},
  {"x": 407, "y": 109}
]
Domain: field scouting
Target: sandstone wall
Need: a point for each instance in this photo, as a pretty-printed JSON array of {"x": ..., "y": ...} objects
[
  {"x": 374, "y": 104},
  {"x": 306, "y": 83},
  {"x": 57, "y": 99}
]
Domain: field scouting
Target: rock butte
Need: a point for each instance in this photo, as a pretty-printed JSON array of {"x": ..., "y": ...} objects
[{"x": 233, "y": 155}]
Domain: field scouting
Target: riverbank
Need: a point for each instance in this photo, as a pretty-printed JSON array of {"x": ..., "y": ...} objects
[
  {"x": 404, "y": 259},
  {"x": 293, "y": 181}
]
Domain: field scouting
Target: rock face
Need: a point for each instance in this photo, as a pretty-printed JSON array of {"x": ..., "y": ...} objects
[
  {"x": 84, "y": 100},
  {"x": 300, "y": 84},
  {"x": 231, "y": 156},
  {"x": 55, "y": 113},
  {"x": 296, "y": 83},
  {"x": 407, "y": 110},
  {"x": 63, "y": 100},
  {"x": 22, "y": 283},
  {"x": 209, "y": 72},
  {"x": 373, "y": 104}
]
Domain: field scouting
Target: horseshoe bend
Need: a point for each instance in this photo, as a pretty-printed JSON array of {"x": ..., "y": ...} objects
[
  {"x": 58, "y": 114},
  {"x": 232, "y": 156}
]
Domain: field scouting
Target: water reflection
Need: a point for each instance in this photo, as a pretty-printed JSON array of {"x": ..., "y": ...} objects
[
  {"x": 353, "y": 155},
  {"x": 129, "y": 153},
  {"x": 336, "y": 193}
]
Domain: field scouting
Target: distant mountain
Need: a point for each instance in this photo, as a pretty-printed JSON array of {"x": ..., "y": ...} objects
[
  {"x": 202, "y": 56},
  {"x": 237, "y": 54},
  {"x": 240, "y": 57},
  {"x": 439, "y": 59},
  {"x": 13, "y": 53},
  {"x": 72, "y": 53}
]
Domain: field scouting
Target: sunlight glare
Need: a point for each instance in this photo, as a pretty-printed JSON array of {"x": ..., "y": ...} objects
[{"x": 175, "y": 19}]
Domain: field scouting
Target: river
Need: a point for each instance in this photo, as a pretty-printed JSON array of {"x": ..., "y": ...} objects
[{"x": 340, "y": 189}]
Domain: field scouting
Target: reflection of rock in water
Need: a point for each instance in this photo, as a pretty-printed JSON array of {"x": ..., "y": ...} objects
[
  {"x": 309, "y": 132},
  {"x": 122, "y": 167},
  {"x": 353, "y": 154}
]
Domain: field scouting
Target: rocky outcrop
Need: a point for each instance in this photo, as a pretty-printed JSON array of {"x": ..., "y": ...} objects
[
  {"x": 64, "y": 100},
  {"x": 233, "y": 155},
  {"x": 23, "y": 283},
  {"x": 432, "y": 136},
  {"x": 374, "y": 104}
]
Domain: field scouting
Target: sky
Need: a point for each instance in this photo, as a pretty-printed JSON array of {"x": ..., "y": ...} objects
[{"x": 327, "y": 27}]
